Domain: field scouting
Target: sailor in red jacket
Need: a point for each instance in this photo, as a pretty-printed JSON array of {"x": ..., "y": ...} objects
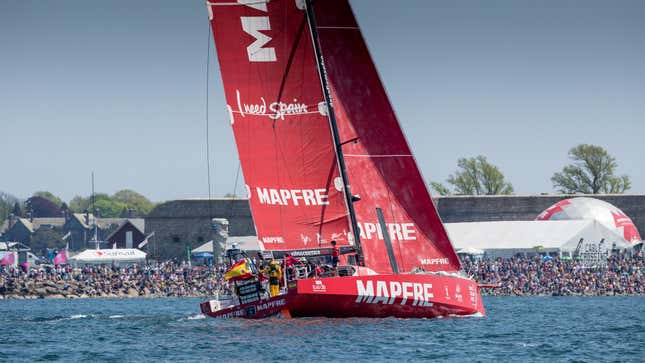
[{"x": 335, "y": 252}]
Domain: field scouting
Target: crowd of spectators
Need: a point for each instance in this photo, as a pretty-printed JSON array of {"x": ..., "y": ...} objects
[
  {"x": 168, "y": 278},
  {"x": 623, "y": 274}
]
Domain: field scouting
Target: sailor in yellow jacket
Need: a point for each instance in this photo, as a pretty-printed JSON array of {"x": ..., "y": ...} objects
[{"x": 275, "y": 272}]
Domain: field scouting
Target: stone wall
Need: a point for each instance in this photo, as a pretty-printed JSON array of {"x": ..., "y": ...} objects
[
  {"x": 180, "y": 222},
  {"x": 188, "y": 222},
  {"x": 455, "y": 209}
]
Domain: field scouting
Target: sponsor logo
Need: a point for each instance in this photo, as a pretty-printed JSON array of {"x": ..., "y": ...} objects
[
  {"x": 629, "y": 229},
  {"x": 272, "y": 304},
  {"x": 272, "y": 240},
  {"x": 398, "y": 231},
  {"x": 305, "y": 253},
  {"x": 458, "y": 295},
  {"x": 294, "y": 197},
  {"x": 274, "y": 110},
  {"x": 114, "y": 253},
  {"x": 254, "y": 25},
  {"x": 318, "y": 286},
  {"x": 410, "y": 293},
  {"x": 435, "y": 261},
  {"x": 241, "y": 311}
]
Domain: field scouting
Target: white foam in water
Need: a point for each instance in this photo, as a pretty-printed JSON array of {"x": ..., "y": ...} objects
[
  {"x": 78, "y": 316},
  {"x": 116, "y": 316},
  {"x": 197, "y": 317}
]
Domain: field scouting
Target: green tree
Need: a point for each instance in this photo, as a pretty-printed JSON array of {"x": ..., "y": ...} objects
[
  {"x": 133, "y": 200},
  {"x": 108, "y": 208},
  {"x": 475, "y": 176},
  {"x": 17, "y": 209},
  {"x": 592, "y": 172},
  {"x": 7, "y": 202},
  {"x": 45, "y": 238},
  {"x": 49, "y": 196},
  {"x": 122, "y": 200}
]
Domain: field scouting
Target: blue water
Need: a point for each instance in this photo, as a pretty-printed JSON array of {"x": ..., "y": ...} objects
[{"x": 583, "y": 329}]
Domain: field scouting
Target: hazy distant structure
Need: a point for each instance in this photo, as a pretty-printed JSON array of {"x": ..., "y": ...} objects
[{"x": 185, "y": 222}]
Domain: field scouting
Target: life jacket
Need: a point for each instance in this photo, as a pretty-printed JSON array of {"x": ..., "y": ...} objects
[{"x": 274, "y": 270}]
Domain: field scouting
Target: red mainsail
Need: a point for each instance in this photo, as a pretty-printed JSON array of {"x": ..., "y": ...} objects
[
  {"x": 284, "y": 140},
  {"x": 381, "y": 167},
  {"x": 278, "y": 116}
]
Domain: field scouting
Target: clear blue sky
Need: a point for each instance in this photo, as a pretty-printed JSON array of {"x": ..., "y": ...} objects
[{"x": 118, "y": 87}]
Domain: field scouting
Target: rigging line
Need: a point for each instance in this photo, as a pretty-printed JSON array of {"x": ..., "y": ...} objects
[
  {"x": 208, "y": 148},
  {"x": 237, "y": 177}
]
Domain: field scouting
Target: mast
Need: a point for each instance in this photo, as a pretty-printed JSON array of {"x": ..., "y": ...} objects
[
  {"x": 322, "y": 73},
  {"x": 96, "y": 239}
]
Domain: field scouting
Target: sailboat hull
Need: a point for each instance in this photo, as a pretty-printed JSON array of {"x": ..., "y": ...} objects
[{"x": 378, "y": 296}]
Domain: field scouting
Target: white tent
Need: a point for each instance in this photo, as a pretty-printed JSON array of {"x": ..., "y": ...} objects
[
  {"x": 109, "y": 256},
  {"x": 595, "y": 209},
  {"x": 507, "y": 238}
]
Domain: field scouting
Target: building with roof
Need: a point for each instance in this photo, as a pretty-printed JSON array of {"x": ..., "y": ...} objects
[
  {"x": 188, "y": 223},
  {"x": 128, "y": 234},
  {"x": 77, "y": 227}
]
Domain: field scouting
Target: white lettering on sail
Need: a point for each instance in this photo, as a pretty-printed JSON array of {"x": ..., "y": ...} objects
[
  {"x": 255, "y": 4},
  {"x": 277, "y": 110},
  {"x": 418, "y": 294},
  {"x": 295, "y": 197},
  {"x": 252, "y": 25},
  {"x": 398, "y": 231}
]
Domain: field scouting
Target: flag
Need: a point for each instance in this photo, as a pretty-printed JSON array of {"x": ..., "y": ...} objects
[
  {"x": 8, "y": 259},
  {"x": 67, "y": 235},
  {"x": 145, "y": 240},
  {"x": 61, "y": 257},
  {"x": 239, "y": 271}
]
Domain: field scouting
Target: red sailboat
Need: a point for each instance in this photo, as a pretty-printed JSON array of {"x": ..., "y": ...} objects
[{"x": 310, "y": 114}]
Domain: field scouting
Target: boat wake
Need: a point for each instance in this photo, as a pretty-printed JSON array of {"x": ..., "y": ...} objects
[{"x": 193, "y": 317}]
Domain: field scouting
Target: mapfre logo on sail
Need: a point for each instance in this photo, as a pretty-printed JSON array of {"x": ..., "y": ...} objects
[{"x": 253, "y": 26}]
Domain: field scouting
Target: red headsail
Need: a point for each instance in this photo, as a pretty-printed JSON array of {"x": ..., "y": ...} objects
[{"x": 380, "y": 164}]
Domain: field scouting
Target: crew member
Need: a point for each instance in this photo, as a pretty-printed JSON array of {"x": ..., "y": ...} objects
[
  {"x": 274, "y": 271},
  {"x": 335, "y": 252}
]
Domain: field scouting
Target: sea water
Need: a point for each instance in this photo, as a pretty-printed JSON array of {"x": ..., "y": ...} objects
[{"x": 549, "y": 329}]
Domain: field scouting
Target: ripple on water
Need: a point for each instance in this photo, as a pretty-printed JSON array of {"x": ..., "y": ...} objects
[{"x": 147, "y": 330}]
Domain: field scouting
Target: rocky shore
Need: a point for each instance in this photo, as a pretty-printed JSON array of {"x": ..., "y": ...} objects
[{"x": 78, "y": 290}]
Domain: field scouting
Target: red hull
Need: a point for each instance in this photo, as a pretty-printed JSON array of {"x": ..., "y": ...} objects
[{"x": 402, "y": 296}]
